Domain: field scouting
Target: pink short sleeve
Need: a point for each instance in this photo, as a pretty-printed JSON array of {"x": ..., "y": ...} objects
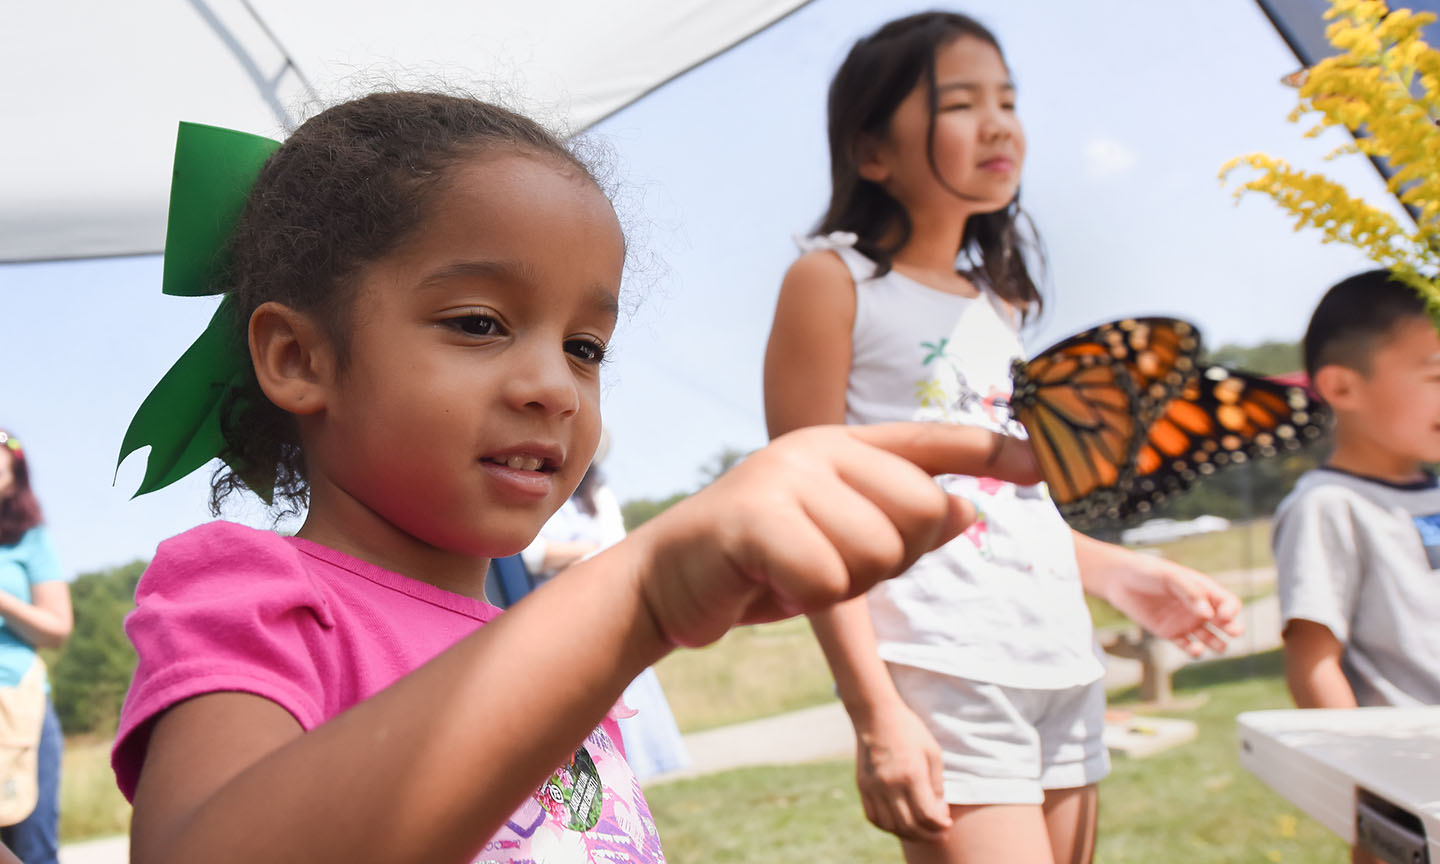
[{"x": 222, "y": 608}]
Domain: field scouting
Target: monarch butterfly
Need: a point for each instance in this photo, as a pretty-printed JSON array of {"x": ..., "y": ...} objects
[{"x": 1123, "y": 416}]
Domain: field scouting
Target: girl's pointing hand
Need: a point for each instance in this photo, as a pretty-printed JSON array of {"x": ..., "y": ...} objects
[{"x": 819, "y": 516}]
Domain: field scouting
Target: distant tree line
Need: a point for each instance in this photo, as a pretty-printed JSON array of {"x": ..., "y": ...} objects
[
  {"x": 90, "y": 674},
  {"x": 638, "y": 511},
  {"x": 1267, "y": 358}
]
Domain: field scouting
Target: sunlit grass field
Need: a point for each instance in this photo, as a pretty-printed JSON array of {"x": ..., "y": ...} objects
[
  {"x": 90, "y": 805},
  {"x": 751, "y": 672},
  {"x": 1242, "y": 546}
]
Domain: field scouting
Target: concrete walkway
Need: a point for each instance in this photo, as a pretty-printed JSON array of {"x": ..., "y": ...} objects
[{"x": 808, "y": 735}]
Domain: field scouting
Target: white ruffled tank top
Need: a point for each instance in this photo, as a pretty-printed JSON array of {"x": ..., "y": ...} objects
[{"x": 1001, "y": 603}]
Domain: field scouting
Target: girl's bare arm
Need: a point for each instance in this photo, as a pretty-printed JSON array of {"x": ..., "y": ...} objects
[{"x": 807, "y": 370}]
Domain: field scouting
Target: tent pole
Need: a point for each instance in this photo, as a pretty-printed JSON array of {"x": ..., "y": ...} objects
[{"x": 268, "y": 87}]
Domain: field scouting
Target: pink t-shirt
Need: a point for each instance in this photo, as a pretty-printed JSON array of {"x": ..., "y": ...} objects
[{"x": 223, "y": 607}]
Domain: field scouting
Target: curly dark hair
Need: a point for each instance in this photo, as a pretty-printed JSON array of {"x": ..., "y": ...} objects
[
  {"x": 344, "y": 190},
  {"x": 875, "y": 77}
]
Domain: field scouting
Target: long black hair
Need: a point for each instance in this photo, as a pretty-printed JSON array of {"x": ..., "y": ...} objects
[{"x": 877, "y": 75}]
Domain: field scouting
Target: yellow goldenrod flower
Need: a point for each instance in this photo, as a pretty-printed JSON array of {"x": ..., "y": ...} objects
[{"x": 1384, "y": 88}]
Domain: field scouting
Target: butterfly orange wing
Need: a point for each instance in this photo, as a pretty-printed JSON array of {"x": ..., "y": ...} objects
[
  {"x": 1086, "y": 402},
  {"x": 1222, "y": 417}
]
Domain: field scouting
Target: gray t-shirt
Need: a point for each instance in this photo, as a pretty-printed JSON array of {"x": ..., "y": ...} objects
[{"x": 1362, "y": 557}]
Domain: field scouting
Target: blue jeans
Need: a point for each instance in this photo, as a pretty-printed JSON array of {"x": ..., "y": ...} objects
[{"x": 36, "y": 840}]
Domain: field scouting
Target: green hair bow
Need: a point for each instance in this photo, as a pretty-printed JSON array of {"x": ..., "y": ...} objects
[{"x": 180, "y": 420}]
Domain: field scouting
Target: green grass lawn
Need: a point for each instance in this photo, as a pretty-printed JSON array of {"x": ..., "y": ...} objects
[
  {"x": 90, "y": 804},
  {"x": 1197, "y": 796},
  {"x": 751, "y": 672},
  {"x": 1243, "y": 546},
  {"x": 1194, "y": 803}
]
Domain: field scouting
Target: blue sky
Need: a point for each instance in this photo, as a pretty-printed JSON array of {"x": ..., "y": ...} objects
[{"x": 1130, "y": 108}]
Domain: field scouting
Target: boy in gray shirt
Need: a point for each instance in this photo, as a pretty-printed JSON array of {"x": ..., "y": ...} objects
[{"x": 1357, "y": 542}]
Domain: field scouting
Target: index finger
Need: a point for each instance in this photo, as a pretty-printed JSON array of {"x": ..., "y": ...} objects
[{"x": 948, "y": 448}]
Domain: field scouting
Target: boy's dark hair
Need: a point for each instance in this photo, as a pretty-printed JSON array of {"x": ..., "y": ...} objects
[
  {"x": 20, "y": 510},
  {"x": 342, "y": 191},
  {"x": 1353, "y": 316},
  {"x": 876, "y": 76}
]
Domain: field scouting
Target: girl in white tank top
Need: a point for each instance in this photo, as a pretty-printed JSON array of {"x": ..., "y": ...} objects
[{"x": 972, "y": 679}]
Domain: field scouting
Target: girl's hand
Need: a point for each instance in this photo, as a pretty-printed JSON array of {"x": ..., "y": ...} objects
[
  {"x": 900, "y": 771},
  {"x": 1173, "y": 602},
  {"x": 819, "y": 516}
]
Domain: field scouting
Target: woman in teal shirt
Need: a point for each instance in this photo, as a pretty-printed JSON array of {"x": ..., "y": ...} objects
[{"x": 34, "y": 613}]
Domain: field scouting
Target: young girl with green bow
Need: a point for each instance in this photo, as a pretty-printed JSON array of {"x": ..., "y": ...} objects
[{"x": 420, "y": 291}]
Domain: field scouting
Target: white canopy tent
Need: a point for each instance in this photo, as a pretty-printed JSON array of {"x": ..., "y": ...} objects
[{"x": 94, "y": 89}]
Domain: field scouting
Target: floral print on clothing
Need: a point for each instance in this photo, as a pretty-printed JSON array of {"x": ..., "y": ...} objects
[
  {"x": 951, "y": 399},
  {"x": 948, "y": 396},
  {"x": 590, "y": 810},
  {"x": 978, "y": 531}
]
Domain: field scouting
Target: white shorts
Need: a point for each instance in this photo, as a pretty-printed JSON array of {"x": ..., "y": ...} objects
[{"x": 1007, "y": 745}]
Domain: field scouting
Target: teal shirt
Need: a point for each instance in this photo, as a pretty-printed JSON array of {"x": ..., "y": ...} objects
[{"x": 29, "y": 562}]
